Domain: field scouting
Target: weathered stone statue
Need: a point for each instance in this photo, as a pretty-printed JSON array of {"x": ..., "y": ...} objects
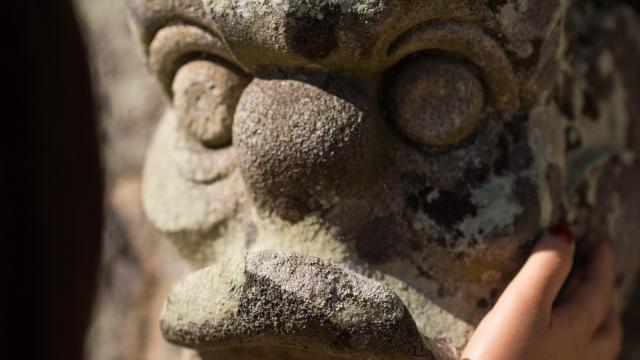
[{"x": 361, "y": 179}]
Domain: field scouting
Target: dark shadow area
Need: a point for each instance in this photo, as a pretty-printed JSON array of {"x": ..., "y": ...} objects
[
  {"x": 631, "y": 325},
  {"x": 52, "y": 184}
]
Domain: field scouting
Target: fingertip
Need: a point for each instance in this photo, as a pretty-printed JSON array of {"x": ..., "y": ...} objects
[
  {"x": 558, "y": 242},
  {"x": 546, "y": 270}
]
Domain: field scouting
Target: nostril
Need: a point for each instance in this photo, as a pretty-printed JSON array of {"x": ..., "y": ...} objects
[
  {"x": 435, "y": 101},
  {"x": 304, "y": 145}
]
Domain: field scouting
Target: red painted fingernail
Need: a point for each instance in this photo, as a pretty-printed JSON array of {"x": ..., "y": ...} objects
[{"x": 563, "y": 232}]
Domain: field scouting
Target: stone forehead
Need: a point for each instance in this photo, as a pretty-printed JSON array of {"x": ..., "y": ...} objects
[
  {"x": 364, "y": 8},
  {"x": 342, "y": 32}
]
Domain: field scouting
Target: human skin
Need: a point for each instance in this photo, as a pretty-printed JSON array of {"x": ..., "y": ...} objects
[{"x": 527, "y": 323}]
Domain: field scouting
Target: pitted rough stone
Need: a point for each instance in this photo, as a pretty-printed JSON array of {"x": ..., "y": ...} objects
[
  {"x": 303, "y": 144},
  {"x": 287, "y": 299},
  {"x": 205, "y": 94},
  {"x": 174, "y": 45},
  {"x": 435, "y": 101}
]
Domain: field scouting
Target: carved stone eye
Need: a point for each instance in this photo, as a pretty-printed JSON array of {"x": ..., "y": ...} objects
[
  {"x": 435, "y": 100},
  {"x": 205, "y": 95},
  {"x": 199, "y": 75}
]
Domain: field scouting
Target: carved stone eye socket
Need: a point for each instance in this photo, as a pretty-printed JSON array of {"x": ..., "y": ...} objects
[
  {"x": 205, "y": 95},
  {"x": 435, "y": 100},
  {"x": 199, "y": 75}
]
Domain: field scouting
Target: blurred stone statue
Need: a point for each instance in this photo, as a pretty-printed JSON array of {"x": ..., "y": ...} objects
[{"x": 360, "y": 179}]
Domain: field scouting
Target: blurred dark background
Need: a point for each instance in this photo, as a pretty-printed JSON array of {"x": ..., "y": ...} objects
[
  {"x": 52, "y": 183},
  {"x": 84, "y": 268}
]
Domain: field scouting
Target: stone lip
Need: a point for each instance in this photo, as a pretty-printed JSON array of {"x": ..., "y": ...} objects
[{"x": 286, "y": 299}]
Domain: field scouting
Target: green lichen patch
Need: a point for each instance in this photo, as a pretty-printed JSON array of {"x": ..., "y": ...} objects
[{"x": 497, "y": 207}]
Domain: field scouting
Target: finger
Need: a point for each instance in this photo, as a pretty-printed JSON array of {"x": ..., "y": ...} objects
[
  {"x": 587, "y": 306},
  {"x": 537, "y": 284},
  {"x": 607, "y": 341}
]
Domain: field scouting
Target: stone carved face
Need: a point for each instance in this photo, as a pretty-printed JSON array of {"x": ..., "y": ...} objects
[{"x": 361, "y": 178}]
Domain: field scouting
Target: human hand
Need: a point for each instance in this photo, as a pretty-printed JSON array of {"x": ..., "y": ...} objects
[{"x": 526, "y": 325}]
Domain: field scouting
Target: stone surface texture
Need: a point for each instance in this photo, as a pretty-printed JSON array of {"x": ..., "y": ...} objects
[
  {"x": 361, "y": 179},
  {"x": 273, "y": 298}
]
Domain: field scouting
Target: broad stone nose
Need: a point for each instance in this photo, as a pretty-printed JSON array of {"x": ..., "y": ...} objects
[{"x": 304, "y": 144}]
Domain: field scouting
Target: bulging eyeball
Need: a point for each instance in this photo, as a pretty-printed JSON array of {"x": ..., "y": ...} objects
[
  {"x": 199, "y": 75},
  {"x": 205, "y": 94},
  {"x": 435, "y": 100}
]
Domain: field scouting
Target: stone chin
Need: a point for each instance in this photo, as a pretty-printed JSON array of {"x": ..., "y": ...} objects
[{"x": 363, "y": 181}]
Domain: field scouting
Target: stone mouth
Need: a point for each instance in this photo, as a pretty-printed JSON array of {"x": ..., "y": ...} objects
[{"x": 286, "y": 299}]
